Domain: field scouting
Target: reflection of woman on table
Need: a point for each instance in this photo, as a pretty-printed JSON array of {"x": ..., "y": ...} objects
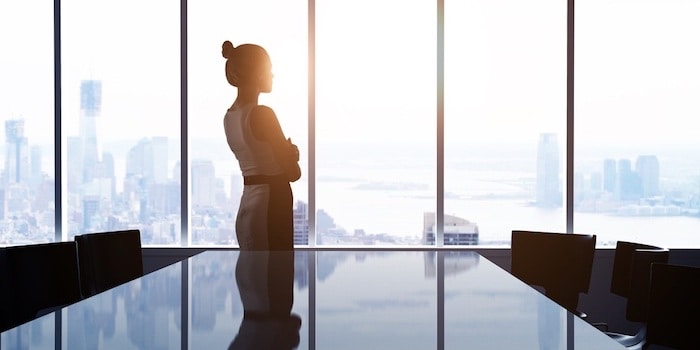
[
  {"x": 267, "y": 159},
  {"x": 265, "y": 282}
]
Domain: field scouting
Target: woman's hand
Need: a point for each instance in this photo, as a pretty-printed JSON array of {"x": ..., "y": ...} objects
[{"x": 294, "y": 150}]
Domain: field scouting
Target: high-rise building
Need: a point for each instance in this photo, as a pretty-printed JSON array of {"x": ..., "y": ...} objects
[
  {"x": 16, "y": 153},
  {"x": 35, "y": 175},
  {"x": 203, "y": 181},
  {"x": 548, "y": 193},
  {"x": 90, "y": 106},
  {"x": 628, "y": 181},
  {"x": 301, "y": 223},
  {"x": 609, "y": 175},
  {"x": 149, "y": 160},
  {"x": 75, "y": 164},
  {"x": 91, "y": 209},
  {"x": 647, "y": 167},
  {"x": 160, "y": 159}
]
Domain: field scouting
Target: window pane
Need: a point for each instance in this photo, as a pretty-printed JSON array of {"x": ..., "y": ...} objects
[
  {"x": 27, "y": 181},
  {"x": 121, "y": 117},
  {"x": 637, "y": 84},
  {"x": 376, "y": 120},
  {"x": 279, "y": 26},
  {"x": 505, "y": 117}
]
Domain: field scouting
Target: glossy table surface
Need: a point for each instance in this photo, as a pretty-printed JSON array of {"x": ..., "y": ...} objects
[{"x": 316, "y": 300}]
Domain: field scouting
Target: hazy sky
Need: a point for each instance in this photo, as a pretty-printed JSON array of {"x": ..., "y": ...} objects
[{"x": 637, "y": 78}]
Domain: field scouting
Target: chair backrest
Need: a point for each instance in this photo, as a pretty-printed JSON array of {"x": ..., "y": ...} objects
[
  {"x": 674, "y": 306},
  {"x": 561, "y": 263},
  {"x": 36, "y": 279},
  {"x": 108, "y": 259},
  {"x": 631, "y": 275}
]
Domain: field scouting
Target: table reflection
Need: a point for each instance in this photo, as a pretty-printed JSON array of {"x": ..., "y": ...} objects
[{"x": 265, "y": 283}]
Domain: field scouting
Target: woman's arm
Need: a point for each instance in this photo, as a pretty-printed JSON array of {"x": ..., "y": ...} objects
[{"x": 266, "y": 127}]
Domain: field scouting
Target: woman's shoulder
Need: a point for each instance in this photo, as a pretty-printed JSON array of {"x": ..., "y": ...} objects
[{"x": 262, "y": 109}]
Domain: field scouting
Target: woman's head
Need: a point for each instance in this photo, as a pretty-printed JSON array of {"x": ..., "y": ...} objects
[{"x": 247, "y": 65}]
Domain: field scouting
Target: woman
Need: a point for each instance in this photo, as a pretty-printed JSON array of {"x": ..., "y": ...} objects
[{"x": 268, "y": 160}]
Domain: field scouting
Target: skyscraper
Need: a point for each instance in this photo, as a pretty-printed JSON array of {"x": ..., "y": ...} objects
[
  {"x": 74, "y": 164},
  {"x": 547, "y": 183},
  {"x": 203, "y": 183},
  {"x": 90, "y": 106},
  {"x": 301, "y": 223},
  {"x": 609, "y": 175},
  {"x": 628, "y": 186},
  {"x": 16, "y": 152},
  {"x": 647, "y": 167}
]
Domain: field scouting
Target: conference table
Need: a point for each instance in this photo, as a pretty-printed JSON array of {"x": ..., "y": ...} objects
[{"x": 316, "y": 299}]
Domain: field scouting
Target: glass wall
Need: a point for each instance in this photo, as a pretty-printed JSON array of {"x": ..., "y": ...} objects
[
  {"x": 27, "y": 181},
  {"x": 637, "y": 170},
  {"x": 216, "y": 181},
  {"x": 121, "y": 118},
  {"x": 375, "y": 118},
  {"x": 375, "y": 121},
  {"x": 505, "y": 119}
]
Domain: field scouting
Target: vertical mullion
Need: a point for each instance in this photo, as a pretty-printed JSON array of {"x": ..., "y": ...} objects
[
  {"x": 185, "y": 238},
  {"x": 570, "y": 146},
  {"x": 570, "y": 118},
  {"x": 58, "y": 182},
  {"x": 311, "y": 261},
  {"x": 440, "y": 197},
  {"x": 311, "y": 172},
  {"x": 57, "y": 141},
  {"x": 440, "y": 300}
]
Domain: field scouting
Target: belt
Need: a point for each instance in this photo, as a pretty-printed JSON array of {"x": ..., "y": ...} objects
[{"x": 264, "y": 179}]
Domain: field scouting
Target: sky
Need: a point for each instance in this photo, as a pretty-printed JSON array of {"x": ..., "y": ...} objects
[{"x": 637, "y": 80}]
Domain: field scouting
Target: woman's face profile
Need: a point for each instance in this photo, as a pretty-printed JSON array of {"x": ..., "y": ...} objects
[{"x": 266, "y": 78}]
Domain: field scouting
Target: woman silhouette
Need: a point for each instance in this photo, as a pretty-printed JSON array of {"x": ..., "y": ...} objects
[{"x": 267, "y": 159}]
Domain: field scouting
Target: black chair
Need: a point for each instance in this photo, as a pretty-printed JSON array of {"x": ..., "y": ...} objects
[
  {"x": 108, "y": 259},
  {"x": 558, "y": 262},
  {"x": 674, "y": 306},
  {"x": 630, "y": 279},
  {"x": 36, "y": 280}
]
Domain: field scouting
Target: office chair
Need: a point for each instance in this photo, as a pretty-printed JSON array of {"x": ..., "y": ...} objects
[
  {"x": 108, "y": 259},
  {"x": 630, "y": 279},
  {"x": 674, "y": 306},
  {"x": 558, "y": 262},
  {"x": 36, "y": 279}
]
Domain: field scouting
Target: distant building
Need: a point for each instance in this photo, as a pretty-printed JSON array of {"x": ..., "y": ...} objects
[
  {"x": 609, "y": 175},
  {"x": 548, "y": 193},
  {"x": 90, "y": 107},
  {"x": 16, "y": 153},
  {"x": 629, "y": 185},
  {"x": 647, "y": 168},
  {"x": 457, "y": 231},
  {"x": 301, "y": 223},
  {"x": 203, "y": 183}
]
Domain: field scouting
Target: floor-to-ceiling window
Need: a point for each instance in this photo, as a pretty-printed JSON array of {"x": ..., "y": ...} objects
[
  {"x": 505, "y": 119},
  {"x": 375, "y": 121},
  {"x": 27, "y": 181},
  {"x": 121, "y": 118},
  {"x": 637, "y": 163},
  {"x": 375, "y": 117},
  {"x": 280, "y": 27}
]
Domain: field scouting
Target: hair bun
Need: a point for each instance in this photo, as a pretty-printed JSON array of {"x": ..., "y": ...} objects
[{"x": 227, "y": 49}]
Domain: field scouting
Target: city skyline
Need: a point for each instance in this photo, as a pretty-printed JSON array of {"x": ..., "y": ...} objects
[{"x": 145, "y": 163}]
